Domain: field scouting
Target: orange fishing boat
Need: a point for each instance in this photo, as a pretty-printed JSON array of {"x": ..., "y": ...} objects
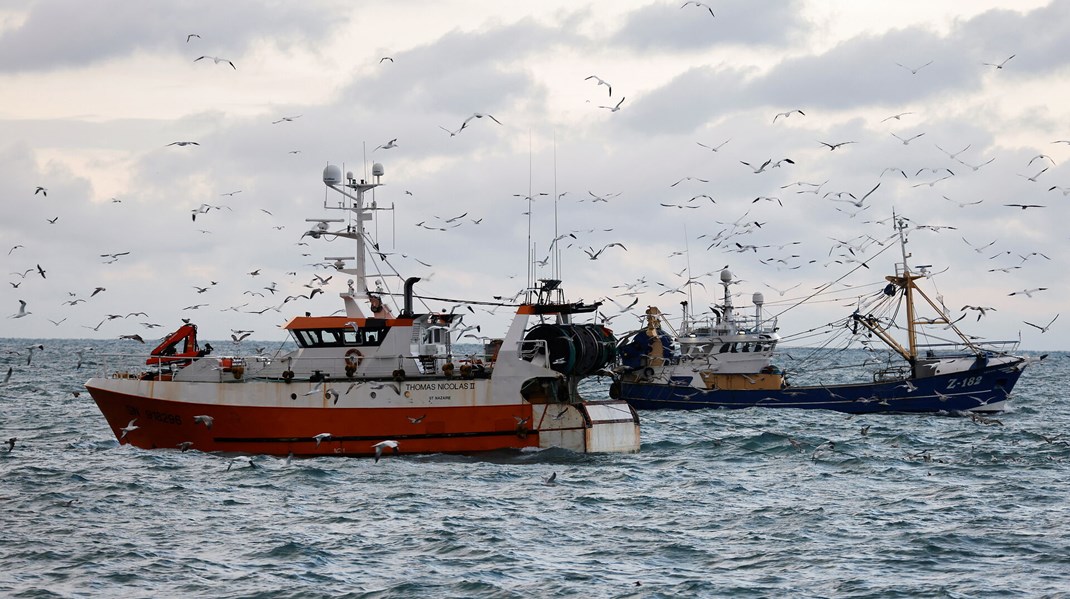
[{"x": 371, "y": 376}]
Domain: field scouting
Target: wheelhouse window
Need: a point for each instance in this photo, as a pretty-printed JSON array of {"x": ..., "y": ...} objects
[{"x": 339, "y": 337}]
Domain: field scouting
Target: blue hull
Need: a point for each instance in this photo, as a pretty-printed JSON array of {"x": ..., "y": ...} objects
[{"x": 977, "y": 390}]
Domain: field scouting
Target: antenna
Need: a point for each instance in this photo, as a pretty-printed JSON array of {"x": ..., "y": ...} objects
[
  {"x": 531, "y": 249},
  {"x": 556, "y": 247}
]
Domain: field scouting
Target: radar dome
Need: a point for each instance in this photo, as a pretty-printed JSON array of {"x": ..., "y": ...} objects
[
  {"x": 757, "y": 299},
  {"x": 377, "y": 169},
  {"x": 726, "y": 276},
  {"x": 332, "y": 175}
]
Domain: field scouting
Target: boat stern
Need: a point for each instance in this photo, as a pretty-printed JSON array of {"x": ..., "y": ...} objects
[{"x": 591, "y": 427}]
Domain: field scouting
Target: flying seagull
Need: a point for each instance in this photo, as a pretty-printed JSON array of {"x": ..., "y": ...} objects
[
  {"x": 183, "y": 143},
  {"x": 218, "y": 60},
  {"x": 321, "y": 437},
  {"x": 286, "y": 119},
  {"x": 601, "y": 82},
  {"x": 207, "y": 421},
  {"x": 41, "y": 190},
  {"x": 907, "y": 140},
  {"x": 836, "y": 145},
  {"x": 383, "y": 445},
  {"x": 714, "y": 148},
  {"x": 897, "y": 117},
  {"x": 479, "y": 115},
  {"x": 915, "y": 71},
  {"x": 787, "y": 114},
  {"x": 129, "y": 428},
  {"x": 22, "y": 310},
  {"x": 614, "y": 108},
  {"x": 1000, "y": 65},
  {"x": 390, "y": 144},
  {"x": 1028, "y": 292},
  {"x": 700, "y": 5},
  {"x": 1043, "y": 329}
]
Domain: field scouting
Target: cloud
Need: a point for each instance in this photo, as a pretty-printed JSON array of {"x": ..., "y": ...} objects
[
  {"x": 57, "y": 34},
  {"x": 673, "y": 27}
]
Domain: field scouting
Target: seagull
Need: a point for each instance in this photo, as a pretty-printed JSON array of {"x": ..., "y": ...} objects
[
  {"x": 246, "y": 459},
  {"x": 714, "y": 148},
  {"x": 836, "y": 145},
  {"x": 7, "y": 377},
  {"x": 383, "y": 445},
  {"x": 700, "y": 5},
  {"x": 11, "y": 443},
  {"x": 980, "y": 309},
  {"x": 204, "y": 419},
  {"x": 417, "y": 419},
  {"x": 183, "y": 143},
  {"x": 787, "y": 114},
  {"x": 22, "y": 310},
  {"x": 385, "y": 58},
  {"x": 907, "y": 140},
  {"x": 1028, "y": 292},
  {"x": 134, "y": 337},
  {"x": 1041, "y": 157},
  {"x": 614, "y": 108},
  {"x": 550, "y": 480},
  {"x": 185, "y": 445},
  {"x": 915, "y": 71},
  {"x": 1034, "y": 177},
  {"x": 390, "y": 386},
  {"x": 286, "y": 119},
  {"x": 192, "y": 35},
  {"x": 601, "y": 82},
  {"x": 692, "y": 179},
  {"x": 452, "y": 133},
  {"x": 41, "y": 271},
  {"x": 321, "y": 437},
  {"x": 41, "y": 190},
  {"x": 953, "y": 156},
  {"x": 897, "y": 117},
  {"x": 218, "y": 60},
  {"x": 1000, "y": 65},
  {"x": 479, "y": 115},
  {"x": 1043, "y": 329},
  {"x": 975, "y": 167},
  {"x": 129, "y": 428},
  {"x": 1024, "y": 206},
  {"x": 593, "y": 255},
  {"x": 390, "y": 144}
]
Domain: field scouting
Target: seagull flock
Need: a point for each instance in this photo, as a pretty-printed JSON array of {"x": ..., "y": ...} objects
[{"x": 731, "y": 231}]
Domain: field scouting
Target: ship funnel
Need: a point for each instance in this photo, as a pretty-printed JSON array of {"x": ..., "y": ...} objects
[
  {"x": 409, "y": 282},
  {"x": 332, "y": 175}
]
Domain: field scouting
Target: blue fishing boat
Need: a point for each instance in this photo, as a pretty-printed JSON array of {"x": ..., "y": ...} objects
[{"x": 726, "y": 359}]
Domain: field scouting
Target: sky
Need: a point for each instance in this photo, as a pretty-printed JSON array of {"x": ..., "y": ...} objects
[{"x": 93, "y": 95}]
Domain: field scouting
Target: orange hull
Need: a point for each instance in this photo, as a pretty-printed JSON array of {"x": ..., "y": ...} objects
[{"x": 281, "y": 431}]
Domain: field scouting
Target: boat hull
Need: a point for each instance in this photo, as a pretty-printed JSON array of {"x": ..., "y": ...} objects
[
  {"x": 978, "y": 390},
  {"x": 247, "y": 419}
]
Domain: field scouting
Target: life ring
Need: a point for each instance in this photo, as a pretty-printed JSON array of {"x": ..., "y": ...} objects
[{"x": 354, "y": 358}]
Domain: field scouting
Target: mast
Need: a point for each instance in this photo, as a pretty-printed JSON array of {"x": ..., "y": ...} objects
[
  {"x": 354, "y": 190},
  {"x": 907, "y": 282}
]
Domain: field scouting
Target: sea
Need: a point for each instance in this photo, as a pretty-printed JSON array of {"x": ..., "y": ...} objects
[{"x": 737, "y": 503}]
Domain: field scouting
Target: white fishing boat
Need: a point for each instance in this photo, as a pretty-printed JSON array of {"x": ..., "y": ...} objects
[{"x": 373, "y": 379}]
